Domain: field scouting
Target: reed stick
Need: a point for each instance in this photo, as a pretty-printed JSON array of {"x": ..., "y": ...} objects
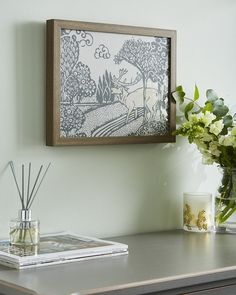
[
  {"x": 36, "y": 180},
  {"x": 23, "y": 185},
  {"x": 30, "y": 203},
  {"x": 28, "y": 187},
  {"x": 27, "y": 197},
  {"x": 14, "y": 176}
]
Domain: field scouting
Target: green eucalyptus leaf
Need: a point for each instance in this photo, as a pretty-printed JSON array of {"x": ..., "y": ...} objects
[
  {"x": 219, "y": 101},
  {"x": 208, "y": 107},
  {"x": 187, "y": 109},
  {"x": 196, "y": 93},
  {"x": 228, "y": 121},
  {"x": 220, "y": 110},
  {"x": 234, "y": 117},
  {"x": 178, "y": 96},
  {"x": 211, "y": 95}
]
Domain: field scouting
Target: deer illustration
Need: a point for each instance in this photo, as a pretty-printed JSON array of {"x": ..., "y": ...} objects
[{"x": 134, "y": 100}]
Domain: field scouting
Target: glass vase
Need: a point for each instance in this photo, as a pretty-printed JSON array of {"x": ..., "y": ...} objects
[
  {"x": 24, "y": 231},
  {"x": 225, "y": 201}
]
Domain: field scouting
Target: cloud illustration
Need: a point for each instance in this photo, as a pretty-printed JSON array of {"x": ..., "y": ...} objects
[{"x": 102, "y": 52}]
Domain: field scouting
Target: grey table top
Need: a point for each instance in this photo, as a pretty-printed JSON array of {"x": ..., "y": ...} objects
[{"x": 156, "y": 261}]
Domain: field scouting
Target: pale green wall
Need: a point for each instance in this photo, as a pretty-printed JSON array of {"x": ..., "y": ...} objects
[{"x": 107, "y": 190}]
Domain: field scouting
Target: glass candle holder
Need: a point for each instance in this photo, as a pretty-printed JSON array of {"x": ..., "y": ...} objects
[
  {"x": 197, "y": 212},
  {"x": 24, "y": 231}
]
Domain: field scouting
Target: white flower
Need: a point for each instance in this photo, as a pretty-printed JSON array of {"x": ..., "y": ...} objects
[
  {"x": 206, "y": 136},
  {"x": 221, "y": 140},
  {"x": 193, "y": 118},
  {"x": 213, "y": 147},
  {"x": 207, "y": 118},
  {"x": 207, "y": 159},
  {"x": 200, "y": 144},
  {"x": 226, "y": 140},
  {"x": 233, "y": 131},
  {"x": 216, "y": 127}
]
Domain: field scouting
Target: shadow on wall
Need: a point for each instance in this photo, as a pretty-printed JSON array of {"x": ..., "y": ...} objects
[
  {"x": 4, "y": 170},
  {"x": 30, "y": 83},
  {"x": 178, "y": 169}
]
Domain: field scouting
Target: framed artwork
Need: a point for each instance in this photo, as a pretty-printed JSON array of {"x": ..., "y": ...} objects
[{"x": 109, "y": 84}]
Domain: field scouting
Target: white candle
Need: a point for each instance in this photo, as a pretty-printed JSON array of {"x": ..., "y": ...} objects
[{"x": 197, "y": 212}]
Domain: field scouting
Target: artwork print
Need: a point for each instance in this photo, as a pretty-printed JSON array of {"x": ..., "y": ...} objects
[{"x": 113, "y": 84}]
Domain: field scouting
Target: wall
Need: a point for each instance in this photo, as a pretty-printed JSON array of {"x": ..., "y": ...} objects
[{"x": 107, "y": 190}]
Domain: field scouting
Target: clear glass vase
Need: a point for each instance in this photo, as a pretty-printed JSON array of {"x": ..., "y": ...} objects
[
  {"x": 225, "y": 201},
  {"x": 24, "y": 231}
]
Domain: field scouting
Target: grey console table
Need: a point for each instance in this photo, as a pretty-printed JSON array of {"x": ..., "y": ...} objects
[{"x": 171, "y": 262}]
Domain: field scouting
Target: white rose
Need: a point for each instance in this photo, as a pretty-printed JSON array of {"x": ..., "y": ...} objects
[
  {"x": 216, "y": 127},
  {"x": 207, "y": 118}
]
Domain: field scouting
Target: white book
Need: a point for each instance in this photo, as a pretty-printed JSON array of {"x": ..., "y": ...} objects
[{"x": 58, "y": 248}]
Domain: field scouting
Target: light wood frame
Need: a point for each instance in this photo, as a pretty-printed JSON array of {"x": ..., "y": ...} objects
[{"x": 53, "y": 82}]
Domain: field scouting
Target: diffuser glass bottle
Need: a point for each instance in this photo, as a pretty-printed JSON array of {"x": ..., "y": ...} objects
[{"x": 24, "y": 231}]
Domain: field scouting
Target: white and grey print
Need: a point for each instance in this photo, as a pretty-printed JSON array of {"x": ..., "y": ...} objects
[{"x": 113, "y": 84}]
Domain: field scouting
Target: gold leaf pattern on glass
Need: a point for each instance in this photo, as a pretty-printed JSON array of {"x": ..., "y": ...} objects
[
  {"x": 188, "y": 216},
  {"x": 201, "y": 220}
]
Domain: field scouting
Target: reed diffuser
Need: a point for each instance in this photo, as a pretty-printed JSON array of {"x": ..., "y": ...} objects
[{"x": 24, "y": 231}]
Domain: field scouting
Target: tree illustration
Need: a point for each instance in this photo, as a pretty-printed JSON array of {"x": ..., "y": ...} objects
[
  {"x": 75, "y": 76},
  {"x": 163, "y": 46},
  {"x": 71, "y": 119},
  {"x": 69, "y": 54},
  {"x": 145, "y": 57},
  {"x": 105, "y": 84},
  {"x": 79, "y": 84}
]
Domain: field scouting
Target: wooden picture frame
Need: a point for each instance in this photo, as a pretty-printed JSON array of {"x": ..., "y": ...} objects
[{"x": 109, "y": 84}]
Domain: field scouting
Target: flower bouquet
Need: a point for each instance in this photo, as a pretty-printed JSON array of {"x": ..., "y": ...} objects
[{"x": 212, "y": 129}]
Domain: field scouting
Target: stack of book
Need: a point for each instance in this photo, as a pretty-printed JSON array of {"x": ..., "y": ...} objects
[{"x": 58, "y": 248}]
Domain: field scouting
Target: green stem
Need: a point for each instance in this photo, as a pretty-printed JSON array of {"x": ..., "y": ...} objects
[
  {"x": 228, "y": 215},
  {"x": 226, "y": 209},
  {"x": 225, "y": 190},
  {"x": 193, "y": 102}
]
